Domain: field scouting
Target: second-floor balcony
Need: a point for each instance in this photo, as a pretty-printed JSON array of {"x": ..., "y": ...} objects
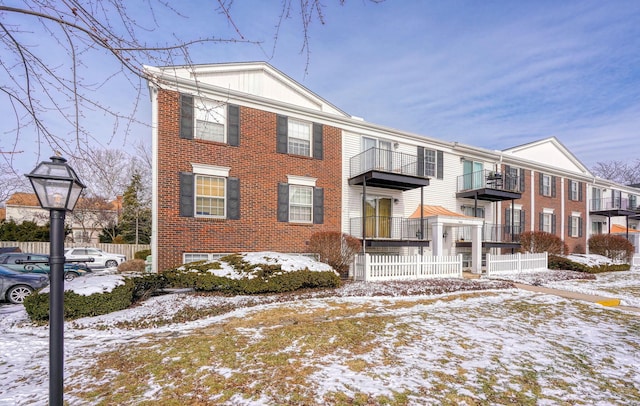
[
  {"x": 614, "y": 206},
  {"x": 489, "y": 185},
  {"x": 388, "y": 169}
]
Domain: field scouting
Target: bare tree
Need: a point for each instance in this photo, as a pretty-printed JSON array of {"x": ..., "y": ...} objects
[
  {"x": 51, "y": 48},
  {"x": 105, "y": 172},
  {"x": 625, "y": 173}
]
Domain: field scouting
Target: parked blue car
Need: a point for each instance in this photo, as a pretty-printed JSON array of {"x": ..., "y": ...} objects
[
  {"x": 39, "y": 263},
  {"x": 15, "y": 286}
]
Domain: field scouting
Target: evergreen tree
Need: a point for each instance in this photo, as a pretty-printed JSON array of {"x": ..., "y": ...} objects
[{"x": 135, "y": 223}]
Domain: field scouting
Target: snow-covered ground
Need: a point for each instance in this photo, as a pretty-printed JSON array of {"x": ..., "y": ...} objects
[{"x": 494, "y": 339}]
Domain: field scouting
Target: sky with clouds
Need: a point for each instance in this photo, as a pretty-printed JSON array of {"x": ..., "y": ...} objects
[{"x": 493, "y": 74}]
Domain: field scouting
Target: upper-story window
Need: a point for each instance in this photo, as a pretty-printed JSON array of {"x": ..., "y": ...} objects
[
  {"x": 299, "y": 137},
  {"x": 430, "y": 162},
  {"x": 596, "y": 199},
  {"x": 547, "y": 186},
  {"x": 209, "y": 120},
  {"x": 617, "y": 198},
  {"x": 210, "y": 117},
  {"x": 575, "y": 191}
]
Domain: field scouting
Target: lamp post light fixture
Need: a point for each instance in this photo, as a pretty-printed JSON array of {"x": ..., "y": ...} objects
[{"x": 58, "y": 188}]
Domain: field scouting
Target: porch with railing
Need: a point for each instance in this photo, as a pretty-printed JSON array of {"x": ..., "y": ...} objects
[
  {"x": 497, "y": 233},
  {"x": 389, "y": 228},
  {"x": 385, "y": 160},
  {"x": 609, "y": 203}
]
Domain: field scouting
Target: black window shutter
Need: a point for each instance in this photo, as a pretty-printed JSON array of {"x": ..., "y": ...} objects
[
  {"x": 580, "y": 191},
  {"x": 553, "y": 224},
  {"x": 541, "y": 218},
  {"x": 318, "y": 205},
  {"x": 233, "y": 125},
  {"x": 186, "y": 116},
  {"x": 317, "y": 141},
  {"x": 282, "y": 133},
  {"x": 233, "y": 198},
  {"x": 569, "y": 226},
  {"x": 439, "y": 165},
  {"x": 553, "y": 186},
  {"x": 186, "y": 194},
  {"x": 569, "y": 189},
  {"x": 522, "y": 220},
  {"x": 507, "y": 219},
  {"x": 580, "y": 228},
  {"x": 541, "y": 184},
  {"x": 522, "y": 180},
  {"x": 420, "y": 168},
  {"x": 283, "y": 202}
]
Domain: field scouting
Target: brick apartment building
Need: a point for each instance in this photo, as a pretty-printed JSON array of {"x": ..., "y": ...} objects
[{"x": 246, "y": 159}]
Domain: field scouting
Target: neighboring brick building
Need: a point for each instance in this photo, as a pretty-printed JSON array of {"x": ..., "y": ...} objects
[{"x": 246, "y": 159}]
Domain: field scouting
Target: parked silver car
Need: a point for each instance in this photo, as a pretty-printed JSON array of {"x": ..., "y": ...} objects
[
  {"x": 101, "y": 259},
  {"x": 15, "y": 286}
]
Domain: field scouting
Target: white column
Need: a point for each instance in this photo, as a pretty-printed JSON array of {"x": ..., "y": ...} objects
[
  {"x": 476, "y": 249},
  {"x": 436, "y": 232}
]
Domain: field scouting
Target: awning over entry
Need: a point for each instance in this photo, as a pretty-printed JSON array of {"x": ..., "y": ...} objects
[
  {"x": 618, "y": 229},
  {"x": 445, "y": 216}
]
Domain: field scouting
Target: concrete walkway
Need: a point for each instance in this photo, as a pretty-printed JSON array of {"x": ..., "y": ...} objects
[{"x": 601, "y": 300}]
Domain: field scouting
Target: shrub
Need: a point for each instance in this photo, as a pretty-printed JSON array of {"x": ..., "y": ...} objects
[
  {"x": 614, "y": 247},
  {"x": 133, "y": 265},
  {"x": 540, "y": 241},
  {"x": 565, "y": 264},
  {"x": 260, "y": 278},
  {"x": 335, "y": 249},
  {"x": 579, "y": 249},
  {"x": 76, "y": 306},
  {"x": 142, "y": 254}
]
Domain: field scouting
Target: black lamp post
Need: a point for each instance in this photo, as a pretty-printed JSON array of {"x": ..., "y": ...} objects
[{"x": 58, "y": 189}]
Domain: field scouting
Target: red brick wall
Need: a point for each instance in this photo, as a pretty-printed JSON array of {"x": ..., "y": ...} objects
[
  {"x": 259, "y": 168},
  {"x": 541, "y": 202}
]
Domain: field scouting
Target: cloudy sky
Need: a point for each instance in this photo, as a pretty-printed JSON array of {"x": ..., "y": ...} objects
[{"x": 493, "y": 74}]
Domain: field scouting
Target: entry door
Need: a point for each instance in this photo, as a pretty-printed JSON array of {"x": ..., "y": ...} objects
[{"x": 378, "y": 217}]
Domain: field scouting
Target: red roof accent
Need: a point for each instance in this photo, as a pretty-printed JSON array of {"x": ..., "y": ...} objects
[{"x": 428, "y": 211}]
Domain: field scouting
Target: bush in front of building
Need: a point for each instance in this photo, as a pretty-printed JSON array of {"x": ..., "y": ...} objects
[
  {"x": 335, "y": 249},
  {"x": 614, "y": 247},
  {"x": 76, "y": 306},
  {"x": 132, "y": 266},
  {"x": 561, "y": 263},
  {"x": 239, "y": 277},
  {"x": 143, "y": 254},
  {"x": 540, "y": 241}
]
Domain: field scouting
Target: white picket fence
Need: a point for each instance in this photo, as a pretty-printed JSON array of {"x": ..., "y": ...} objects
[
  {"x": 497, "y": 264},
  {"x": 372, "y": 267}
]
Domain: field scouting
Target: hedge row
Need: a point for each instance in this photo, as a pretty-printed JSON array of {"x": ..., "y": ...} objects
[{"x": 565, "y": 264}]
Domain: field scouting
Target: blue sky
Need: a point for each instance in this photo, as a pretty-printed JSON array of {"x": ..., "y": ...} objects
[{"x": 493, "y": 74}]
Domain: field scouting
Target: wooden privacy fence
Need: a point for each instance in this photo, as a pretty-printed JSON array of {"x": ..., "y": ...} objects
[
  {"x": 372, "y": 267},
  {"x": 497, "y": 264},
  {"x": 43, "y": 247}
]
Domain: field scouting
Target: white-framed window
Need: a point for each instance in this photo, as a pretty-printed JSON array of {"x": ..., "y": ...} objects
[
  {"x": 430, "y": 162},
  {"x": 573, "y": 189},
  {"x": 546, "y": 185},
  {"x": 575, "y": 226},
  {"x": 596, "y": 200},
  {"x": 299, "y": 137},
  {"x": 300, "y": 204},
  {"x": 210, "y": 120},
  {"x": 201, "y": 256},
  {"x": 547, "y": 222},
  {"x": 210, "y": 195}
]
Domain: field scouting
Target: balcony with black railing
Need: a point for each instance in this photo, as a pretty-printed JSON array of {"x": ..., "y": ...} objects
[
  {"x": 612, "y": 207},
  {"x": 489, "y": 185},
  {"x": 390, "y": 231},
  {"x": 387, "y": 169}
]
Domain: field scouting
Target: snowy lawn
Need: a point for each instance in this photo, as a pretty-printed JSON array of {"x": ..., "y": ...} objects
[{"x": 410, "y": 343}]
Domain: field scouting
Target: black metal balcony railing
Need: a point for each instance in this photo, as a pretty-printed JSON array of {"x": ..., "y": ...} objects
[
  {"x": 385, "y": 160},
  {"x": 391, "y": 228},
  {"x": 609, "y": 203},
  {"x": 489, "y": 180},
  {"x": 490, "y": 233}
]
